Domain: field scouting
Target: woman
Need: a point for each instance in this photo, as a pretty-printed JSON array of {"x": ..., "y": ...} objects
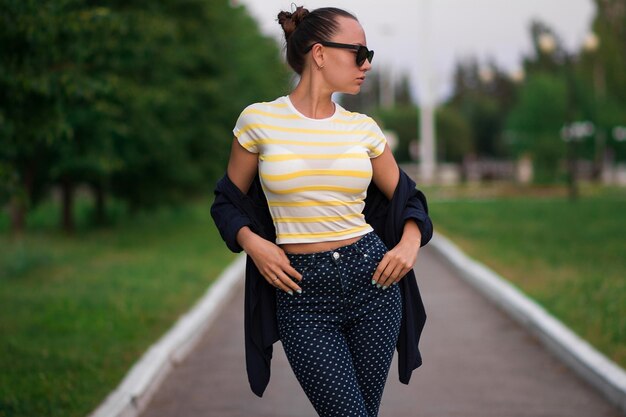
[{"x": 329, "y": 182}]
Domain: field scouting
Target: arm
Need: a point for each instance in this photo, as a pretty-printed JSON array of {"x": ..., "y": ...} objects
[
  {"x": 400, "y": 259},
  {"x": 242, "y": 166},
  {"x": 270, "y": 259}
]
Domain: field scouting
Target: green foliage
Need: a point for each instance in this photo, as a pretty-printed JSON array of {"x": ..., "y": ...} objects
[
  {"x": 136, "y": 99},
  {"x": 453, "y": 132},
  {"x": 541, "y": 107},
  {"x": 483, "y": 97},
  {"x": 534, "y": 123},
  {"x": 403, "y": 121},
  {"x": 602, "y": 71},
  {"x": 568, "y": 257},
  {"x": 369, "y": 98},
  {"x": 454, "y": 135},
  {"x": 595, "y": 78},
  {"x": 76, "y": 313},
  {"x": 610, "y": 27}
]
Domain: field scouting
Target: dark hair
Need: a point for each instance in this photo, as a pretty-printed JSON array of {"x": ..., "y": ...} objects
[{"x": 303, "y": 28}]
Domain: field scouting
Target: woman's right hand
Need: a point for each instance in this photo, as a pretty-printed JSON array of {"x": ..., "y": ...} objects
[
  {"x": 270, "y": 260},
  {"x": 268, "y": 257}
]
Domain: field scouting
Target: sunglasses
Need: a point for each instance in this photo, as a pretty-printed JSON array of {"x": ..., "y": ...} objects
[{"x": 362, "y": 53}]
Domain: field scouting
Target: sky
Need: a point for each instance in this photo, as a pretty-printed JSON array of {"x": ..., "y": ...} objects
[{"x": 454, "y": 29}]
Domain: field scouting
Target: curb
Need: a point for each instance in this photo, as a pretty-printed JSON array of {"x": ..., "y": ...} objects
[
  {"x": 141, "y": 382},
  {"x": 605, "y": 375}
]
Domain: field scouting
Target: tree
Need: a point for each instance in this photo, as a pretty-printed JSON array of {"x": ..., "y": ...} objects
[
  {"x": 484, "y": 96},
  {"x": 136, "y": 100},
  {"x": 534, "y": 123},
  {"x": 610, "y": 27},
  {"x": 454, "y": 135},
  {"x": 403, "y": 121},
  {"x": 453, "y": 131},
  {"x": 602, "y": 69},
  {"x": 33, "y": 89}
]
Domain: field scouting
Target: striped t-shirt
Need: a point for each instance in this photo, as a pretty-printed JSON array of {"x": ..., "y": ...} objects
[{"x": 314, "y": 172}]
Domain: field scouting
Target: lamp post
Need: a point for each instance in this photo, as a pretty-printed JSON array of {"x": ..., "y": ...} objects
[
  {"x": 427, "y": 103},
  {"x": 486, "y": 75},
  {"x": 619, "y": 133},
  {"x": 574, "y": 133},
  {"x": 386, "y": 80},
  {"x": 518, "y": 76},
  {"x": 548, "y": 45},
  {"x": 590, "y": 46}
]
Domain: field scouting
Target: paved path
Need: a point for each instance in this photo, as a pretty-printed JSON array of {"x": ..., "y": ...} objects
[{"x": 477, "y": 363}]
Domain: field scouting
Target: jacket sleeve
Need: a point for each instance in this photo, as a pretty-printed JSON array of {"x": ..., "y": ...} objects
[
  {"x": 227, "y": 215},
  {"x": 417, "y": 209}
]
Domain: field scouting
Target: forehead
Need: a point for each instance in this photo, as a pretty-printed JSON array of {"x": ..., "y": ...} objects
[{"x": 350, "y": 31}]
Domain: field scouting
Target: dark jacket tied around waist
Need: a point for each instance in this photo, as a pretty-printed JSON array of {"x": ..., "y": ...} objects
[{"x": 233, "y": 210}]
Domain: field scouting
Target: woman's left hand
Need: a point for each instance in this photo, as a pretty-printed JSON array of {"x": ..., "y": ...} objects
[
  {"x": 396, "y": 264},
  {"x": 400, "y": 260}
]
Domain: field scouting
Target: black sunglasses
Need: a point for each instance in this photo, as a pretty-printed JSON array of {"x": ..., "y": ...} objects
[{"x": 362, "y": 53}]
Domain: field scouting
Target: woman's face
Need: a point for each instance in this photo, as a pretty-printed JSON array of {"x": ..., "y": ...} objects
[{"x": 341, "y": 71}]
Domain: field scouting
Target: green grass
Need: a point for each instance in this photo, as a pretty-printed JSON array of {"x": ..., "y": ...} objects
[
  {"x": 77, "y": 311},
  {"x": 570, "y": 257}
]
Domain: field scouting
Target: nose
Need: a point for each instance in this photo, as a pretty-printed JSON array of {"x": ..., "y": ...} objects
[{"x": 366, "y": 66}]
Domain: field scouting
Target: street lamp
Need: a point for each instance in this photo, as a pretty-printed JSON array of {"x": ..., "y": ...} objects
[
  {"x": 619, "y": 133},
  {"x": 486, "y": 75},
  {"x": 386, "y": 79},
  {"x": 427, "y": 134},
  {"x": 591, "y": 42},
  {"x": 548, "y": 45},
  {"x": 577, "y": 131},
  {"x": 518, "y": 76}
]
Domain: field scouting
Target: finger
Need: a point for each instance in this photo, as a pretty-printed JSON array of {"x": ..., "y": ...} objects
[
  {"x": 292, "y": 272},
  {"x": 272, "y": 280},
  {"x": 402, "y": 274},
  {"x": 287, "y": 268},
  {"x": 379, "y": 270},
  {"x": 384, "y": 275},
  {"x": 387, "y": 277},
  {"x": 394, "y": 271},
  {"x": 289, "y": 282},
  {"x": 278, "y": 283}
]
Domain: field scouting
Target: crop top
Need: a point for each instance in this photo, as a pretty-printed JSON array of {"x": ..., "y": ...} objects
[{"x": 314, "y": 172}]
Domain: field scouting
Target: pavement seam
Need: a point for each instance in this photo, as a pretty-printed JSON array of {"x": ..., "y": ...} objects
[
  {"x": 136, "y": 389},
  {"x": 602, "y": 373}
]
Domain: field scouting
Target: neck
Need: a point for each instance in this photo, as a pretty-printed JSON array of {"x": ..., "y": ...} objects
[{"x": 311, "y": 98}]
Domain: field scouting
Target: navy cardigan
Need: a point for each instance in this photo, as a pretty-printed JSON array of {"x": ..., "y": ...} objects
[{"x": 232, "y": 210}]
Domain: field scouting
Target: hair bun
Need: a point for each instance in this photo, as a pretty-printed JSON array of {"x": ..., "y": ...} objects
[{"x": 290, "y": 21}]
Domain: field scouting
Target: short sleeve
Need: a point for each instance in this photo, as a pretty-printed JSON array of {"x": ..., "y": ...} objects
[
  {"x": 244, "y": 131},
  {"x": 375, "y": 140}
]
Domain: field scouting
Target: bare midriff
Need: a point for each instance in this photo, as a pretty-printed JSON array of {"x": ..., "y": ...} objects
[{"x": 317, "y": 246}]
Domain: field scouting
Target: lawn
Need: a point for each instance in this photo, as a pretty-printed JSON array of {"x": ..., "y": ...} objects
[
  {"x": 570, "y": 257},
  {"x": 77, "y": 311}
]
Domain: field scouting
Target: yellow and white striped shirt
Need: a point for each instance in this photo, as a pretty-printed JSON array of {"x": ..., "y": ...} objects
[{"x": 314, "y": 172}]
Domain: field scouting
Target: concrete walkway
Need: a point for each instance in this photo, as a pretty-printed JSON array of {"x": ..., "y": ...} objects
[{"x": 477, "y": 363}]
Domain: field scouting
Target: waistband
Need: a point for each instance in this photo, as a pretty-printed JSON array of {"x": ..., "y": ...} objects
[{"x": 359, "y": 246}]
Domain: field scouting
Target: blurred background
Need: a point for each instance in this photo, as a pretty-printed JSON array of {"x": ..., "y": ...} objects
[{"x": 116, "y": 120}]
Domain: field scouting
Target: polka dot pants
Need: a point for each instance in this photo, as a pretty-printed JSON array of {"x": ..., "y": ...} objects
[{"x": 340, "y": 333}]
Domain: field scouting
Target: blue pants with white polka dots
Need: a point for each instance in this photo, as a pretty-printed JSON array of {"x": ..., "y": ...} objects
[{"x": 340, "y": 333}]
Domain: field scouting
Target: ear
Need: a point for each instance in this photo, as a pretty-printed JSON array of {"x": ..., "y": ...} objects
[{"x": 317, "y": 54}]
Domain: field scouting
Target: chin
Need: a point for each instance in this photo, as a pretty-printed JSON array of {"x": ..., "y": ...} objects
[{"x": 353, "y": 92}]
